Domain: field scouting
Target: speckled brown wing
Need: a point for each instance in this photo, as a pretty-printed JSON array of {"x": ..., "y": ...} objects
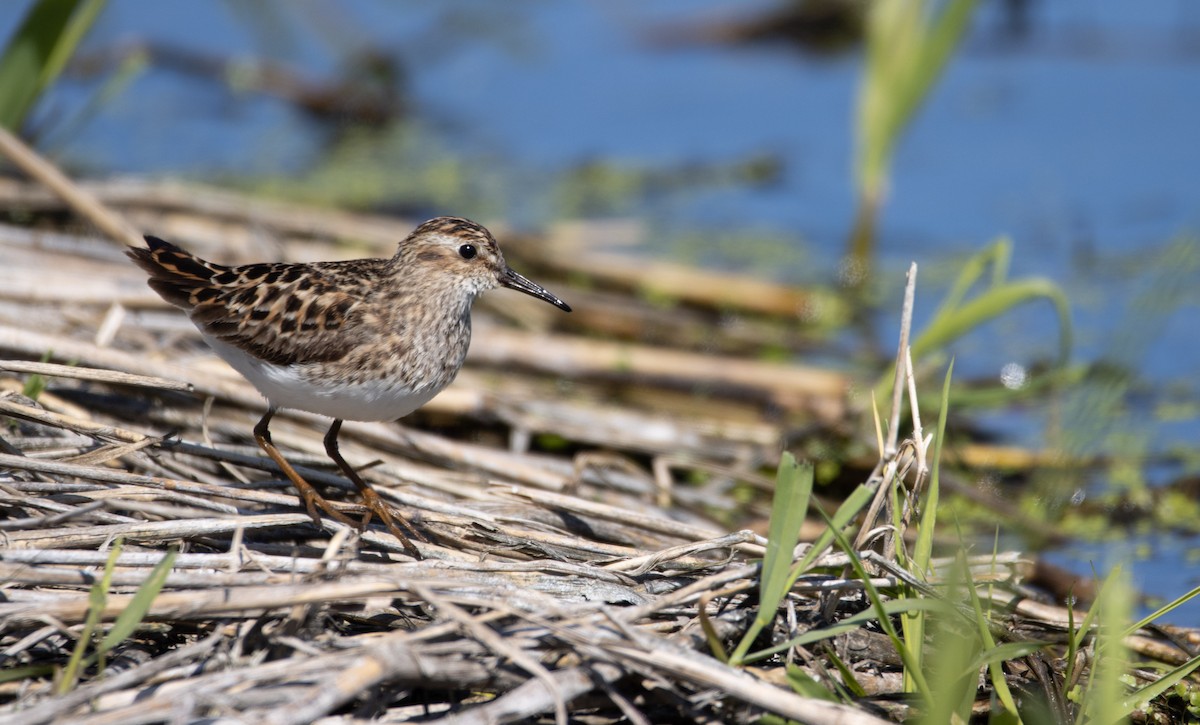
[{"x": 259, "y": 308}]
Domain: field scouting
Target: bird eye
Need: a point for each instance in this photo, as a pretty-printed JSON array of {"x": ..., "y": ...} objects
[{"x": 468, "y": 251}]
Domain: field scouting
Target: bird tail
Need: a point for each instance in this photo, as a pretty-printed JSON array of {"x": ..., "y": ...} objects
[{"x": 177, "y": 275}]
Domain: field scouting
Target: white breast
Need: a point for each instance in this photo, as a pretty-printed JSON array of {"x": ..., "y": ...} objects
[{"x": 288, "y": 386}]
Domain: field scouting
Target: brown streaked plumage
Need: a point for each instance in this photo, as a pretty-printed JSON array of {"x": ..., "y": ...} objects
[{"x": 368, "y": 339}]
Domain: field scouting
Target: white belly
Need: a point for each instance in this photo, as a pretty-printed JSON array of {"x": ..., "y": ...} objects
[{"x": 288, "y": 387}]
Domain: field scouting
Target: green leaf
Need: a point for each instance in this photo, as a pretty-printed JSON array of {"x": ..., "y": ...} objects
[
  {"x": 806, "y": 686},
  {"x": 959, "y": 315},
  {"x": 993, "y": 654},
  {"x": 128, "y": 620},
  {"x": 991, "y": 304},
  {"x": 850, "y": 508},
  {"x": 97, "y": 600},
  {"x": 907, "y": 49},
  {"x": 793, "y": 488},
  {"x": 34, "y": 386},
  {"x": 24, "y": 672},
  {"x": 1105, "y": 699},
  {"x": 38, "y": 51},
  {"x": 1164, "y": 683},
  {"x": 914, "y": 625},
  {"x": 1163, "y": 610},
  {"x": 891, "y": 607},
  {"x": 911, "y": 667},
  {"x": 1005, "y": 652},
  {"x": 923, "y": 550},
  {"x": 951, "y": 680},
  {"x": 851, "y": 684}
]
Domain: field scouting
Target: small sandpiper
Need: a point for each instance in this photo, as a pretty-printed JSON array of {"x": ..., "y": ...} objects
[{"x": 367, "y": 339}]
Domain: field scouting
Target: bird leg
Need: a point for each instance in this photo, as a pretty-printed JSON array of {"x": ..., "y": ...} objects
[
  {"x": 312, "y": 499},
  {"x": 374, "y": 504}
]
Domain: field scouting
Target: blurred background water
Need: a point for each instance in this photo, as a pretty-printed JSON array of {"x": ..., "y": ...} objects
[{"x": 1071, "y": 127}]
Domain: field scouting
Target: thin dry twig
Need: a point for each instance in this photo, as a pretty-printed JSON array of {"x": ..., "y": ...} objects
[
  {"x": 98, "y": 375},
  {"x": 75, "y": 196}
]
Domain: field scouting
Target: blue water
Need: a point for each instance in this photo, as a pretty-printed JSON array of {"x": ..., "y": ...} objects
[{"x": 1079, "y": 140}]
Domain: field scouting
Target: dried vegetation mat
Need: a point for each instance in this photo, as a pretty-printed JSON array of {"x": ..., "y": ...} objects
[{"x": 155, "y": 566}]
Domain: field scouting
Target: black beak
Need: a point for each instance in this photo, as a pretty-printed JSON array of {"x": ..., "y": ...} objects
[{"x": 517, "y": 281}]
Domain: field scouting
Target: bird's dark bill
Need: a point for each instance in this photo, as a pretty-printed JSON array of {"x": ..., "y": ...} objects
[{"x": 517, "y": 281}]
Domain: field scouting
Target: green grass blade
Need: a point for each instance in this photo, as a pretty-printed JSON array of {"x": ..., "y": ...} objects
[
  {"x": 989, "y": 305},
  {"x": 999, "y": 680},
  {"x": 952, "y": 682},
  {"x": 77, "y": 27},
  {"x": 995, "y": 256},
  {"x": 914, "y": 624},
  {"x": 940, "y": 41},
  {"x": 1085, "y": 627},
  {"x": 1164, "y": 683},
  {"x": 806, "y": 686},
  {"x": 97, "y": 600},
  {"x": 957, "y": 315},
  {"x": 1073, "y": 640},
  {"x": 923, "y": 548},
  {"x": 715, "y": 645},
  {"x": 1105, "y": 697},
  {"x": 24, "y": 672},
  {"x": 128, "y": 620},
  {"x": 853, "y": 688},
  {"x": 793, "y": 488},
  {"x": 35, "y": 385},
  {"x": 1000, "y": 653},
  {"x": 854, "y": 503},
  {"x": 131, "y": 67},
  {"x": 1163, "y": 610},
  {"x": 38, "y": 51},
  {"x": 906, "y": 51},
  {"x": 929, "y": 55},
  {"x": 851, "y": 507},
  {"x": 849, "y": 624},
  {"x": 877, "y": 604}
]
